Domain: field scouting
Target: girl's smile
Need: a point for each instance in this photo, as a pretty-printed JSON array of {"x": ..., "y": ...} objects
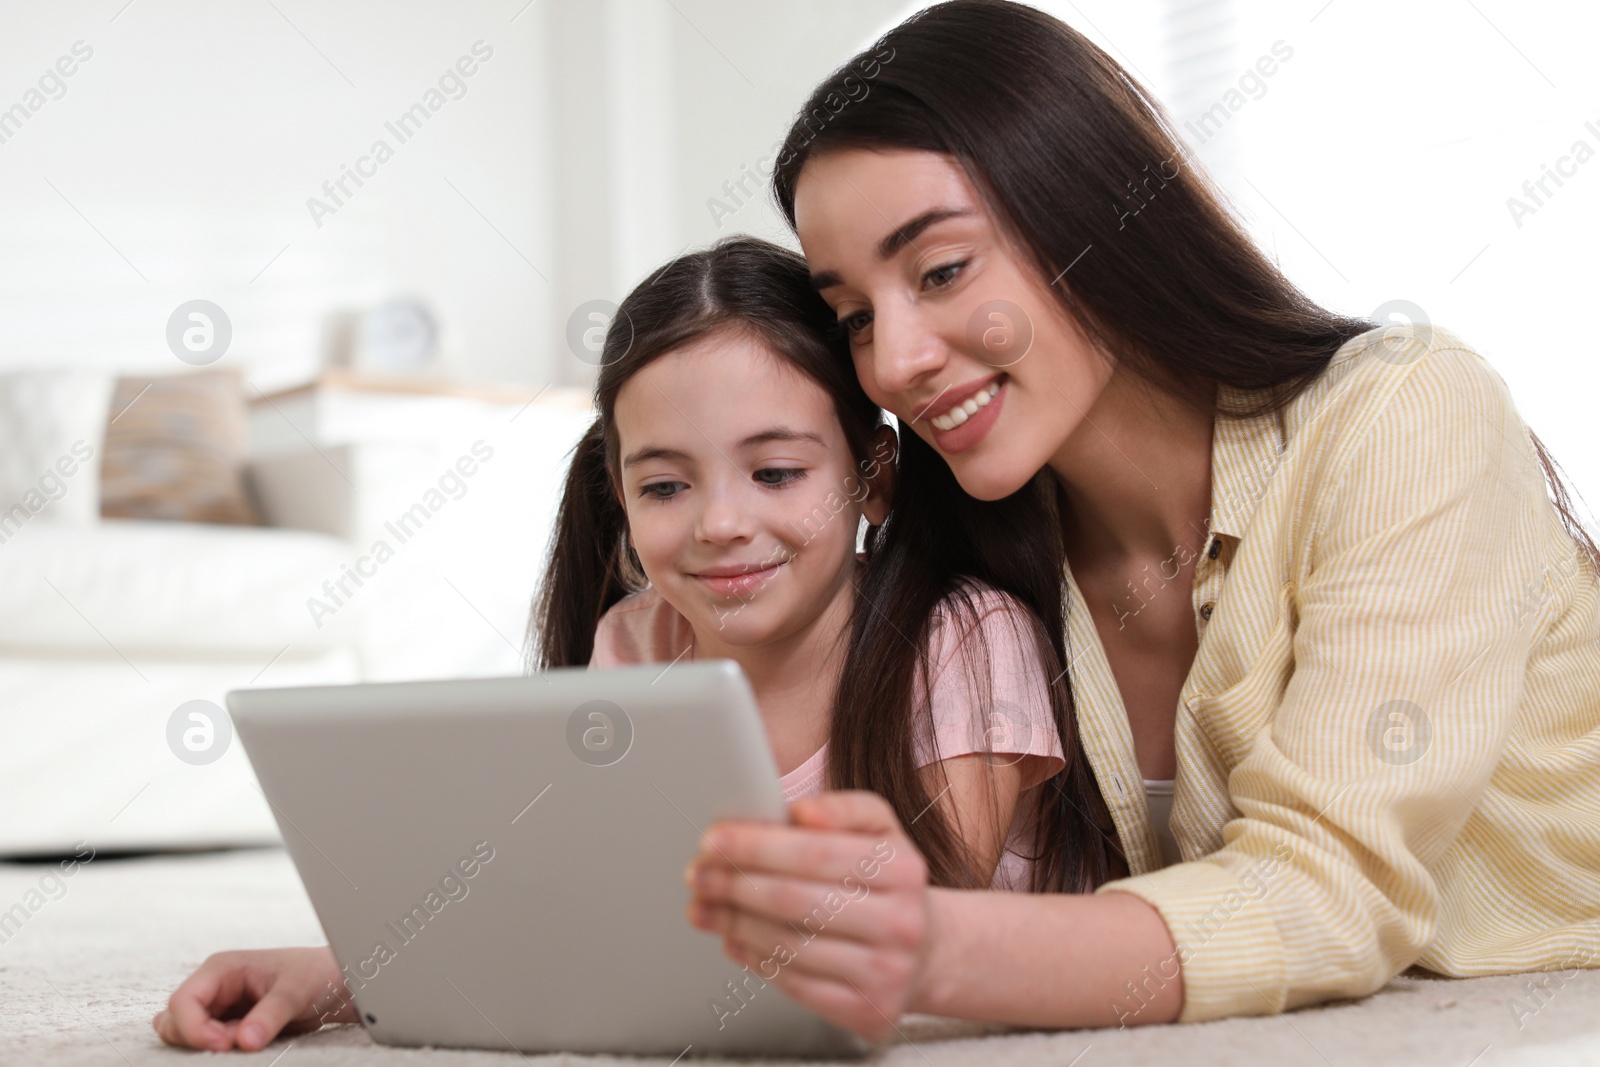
[{"x": 737, "y": 579}]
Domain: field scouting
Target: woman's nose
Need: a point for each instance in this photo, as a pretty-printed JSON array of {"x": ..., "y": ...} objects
[{"x": 905, "y": 353}]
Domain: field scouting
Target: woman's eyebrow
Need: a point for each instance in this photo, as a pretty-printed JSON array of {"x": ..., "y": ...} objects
[
  {"x": 896, "y": 239},
  {"x": 907, "y": 232}
]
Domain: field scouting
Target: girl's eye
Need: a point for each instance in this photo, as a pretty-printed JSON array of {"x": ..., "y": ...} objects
[
  {"x": 779, "y": 476},
  {"x": 939, "y": 277},
  {"x": 653, "y": 492}
]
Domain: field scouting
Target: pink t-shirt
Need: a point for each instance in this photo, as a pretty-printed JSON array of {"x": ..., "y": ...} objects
[{"x": 1003, "y": 709}]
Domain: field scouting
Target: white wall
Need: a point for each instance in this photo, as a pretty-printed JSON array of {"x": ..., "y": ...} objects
[
  {"x": 179, "y": 160},
  {"x": 1376, "y": 164}
]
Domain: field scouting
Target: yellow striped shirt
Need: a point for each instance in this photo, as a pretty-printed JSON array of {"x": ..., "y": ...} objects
[{"x": 1388, "y": 745}]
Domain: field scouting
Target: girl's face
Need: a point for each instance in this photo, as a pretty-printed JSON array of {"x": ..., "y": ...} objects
[
  {"x": 950, "y": 327},
  {"x": 742, "y": 496}
]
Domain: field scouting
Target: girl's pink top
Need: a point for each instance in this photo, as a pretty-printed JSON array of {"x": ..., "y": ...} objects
[{"x": 999, "y": 705}]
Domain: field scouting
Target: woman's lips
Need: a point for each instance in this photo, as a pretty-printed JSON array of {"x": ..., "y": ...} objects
[
  {"x": 738, "y": 584},
  {"x": 977, "y": 425}
]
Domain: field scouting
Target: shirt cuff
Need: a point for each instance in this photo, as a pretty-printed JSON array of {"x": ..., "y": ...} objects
[{"x": 1232, "y": 958}]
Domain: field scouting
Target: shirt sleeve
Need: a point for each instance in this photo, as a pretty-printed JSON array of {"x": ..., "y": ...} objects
[
  {"x": 1408, "y": 666},
  {"x": 989, "y": 691},
  {"x": 640, "y": 628},
  {"x": 601, "y": 655}
]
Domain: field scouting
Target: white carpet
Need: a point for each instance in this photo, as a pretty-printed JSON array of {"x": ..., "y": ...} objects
[{"x": 82, "y": 977}]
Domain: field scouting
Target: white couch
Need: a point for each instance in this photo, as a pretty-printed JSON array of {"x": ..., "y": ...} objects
[
  {"x": 107, "y": 627},
  {"x": 105, "y": 630}
]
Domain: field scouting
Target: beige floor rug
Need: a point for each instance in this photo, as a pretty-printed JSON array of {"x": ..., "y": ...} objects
[{"x": 81, "y": 977}]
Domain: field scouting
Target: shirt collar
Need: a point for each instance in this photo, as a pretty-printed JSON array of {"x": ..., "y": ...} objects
[{"x": 1244, "y": 455}]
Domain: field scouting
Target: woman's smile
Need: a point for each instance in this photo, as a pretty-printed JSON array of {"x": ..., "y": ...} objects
[{"x": 965, "y": 416}]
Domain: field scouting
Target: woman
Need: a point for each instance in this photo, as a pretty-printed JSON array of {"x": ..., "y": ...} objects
[{"x": 1312, "y": 574}]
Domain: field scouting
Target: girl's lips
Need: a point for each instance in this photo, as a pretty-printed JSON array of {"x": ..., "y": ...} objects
[
  {"x": 969, "y": 433},
  {"x": 738, "y": 584}
]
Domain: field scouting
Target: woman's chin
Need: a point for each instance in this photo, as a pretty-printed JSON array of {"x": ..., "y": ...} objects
[{"x": 989, "y": 479}]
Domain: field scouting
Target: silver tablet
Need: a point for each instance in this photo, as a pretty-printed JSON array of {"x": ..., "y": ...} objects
[{"x": 498, "y": 862}]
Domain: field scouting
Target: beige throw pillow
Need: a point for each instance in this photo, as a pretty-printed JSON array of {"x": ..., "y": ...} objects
[{"x": 176, "y": 449}]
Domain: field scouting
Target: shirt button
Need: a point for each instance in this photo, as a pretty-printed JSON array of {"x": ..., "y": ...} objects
[
  {"x": 1216, "y": 548},
  {"x": 1205, "y": 610}
]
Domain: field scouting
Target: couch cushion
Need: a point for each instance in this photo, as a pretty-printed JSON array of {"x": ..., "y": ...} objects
[
  {"x": 172, "y": 587},
  {"x": 175, "y": 448},
  {"x": 51, "y": 425}
]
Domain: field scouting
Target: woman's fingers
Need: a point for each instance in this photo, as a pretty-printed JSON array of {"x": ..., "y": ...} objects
[
  {"x": 833, "y": 908},
  {"x": 824, "y": 855},
  {"x": 833, "y": 836},
  {"x": 841, "y": 991},
  {"x": 777, "y": 948},
  {"x": 850, "y": 809},
  {"x": 855, "y": 908}
]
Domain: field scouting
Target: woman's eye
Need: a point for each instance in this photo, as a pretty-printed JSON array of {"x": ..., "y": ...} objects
[
  {"x": 855, "y": 322},
  {"x": 779, "y": 475},
  {"x": 660, "y": 490},
  {"x": 939, "y": 277}
]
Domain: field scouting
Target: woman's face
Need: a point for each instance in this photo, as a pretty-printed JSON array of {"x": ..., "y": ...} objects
[{"x": 949, "y": 326}]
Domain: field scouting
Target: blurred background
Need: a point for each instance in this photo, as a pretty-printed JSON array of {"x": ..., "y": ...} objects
[{"x": 307, "y": 279}]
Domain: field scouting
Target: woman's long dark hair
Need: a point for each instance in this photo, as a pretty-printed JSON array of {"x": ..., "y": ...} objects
[
  {"x": 937, "y": 535},
  {"x": 936, "y": 547},
  {"x": 1072, "y": 155},
  {"x": 1086, "y": 174}
]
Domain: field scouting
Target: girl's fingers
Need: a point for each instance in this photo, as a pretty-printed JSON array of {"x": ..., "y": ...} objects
[
  {"x": 188, "y": 1020},
  {"x": 189, "y": 1035},
  {"x": 283, "y": 1003},
  {"x": 274, "y": 990}
]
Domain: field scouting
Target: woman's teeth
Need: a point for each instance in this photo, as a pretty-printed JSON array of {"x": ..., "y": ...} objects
[{"x": 964, "y": 411}]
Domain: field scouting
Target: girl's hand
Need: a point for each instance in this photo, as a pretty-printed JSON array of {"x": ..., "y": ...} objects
[
  {"x": 283, "y": 990},
  {"x": 834, "y": 908}
]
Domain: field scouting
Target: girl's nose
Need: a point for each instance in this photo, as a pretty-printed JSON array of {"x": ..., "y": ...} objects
[{"x": 723, "y": 516}]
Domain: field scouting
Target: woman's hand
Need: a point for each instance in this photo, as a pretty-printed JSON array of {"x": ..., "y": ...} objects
[
  {"x": 834, "y": 908},
  {"x": 284, "y": 990}
]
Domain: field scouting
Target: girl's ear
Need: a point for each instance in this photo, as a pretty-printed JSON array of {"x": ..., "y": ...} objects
[
  {"x": 622, "y": 503},
  {"x": 879, "y": 472}
]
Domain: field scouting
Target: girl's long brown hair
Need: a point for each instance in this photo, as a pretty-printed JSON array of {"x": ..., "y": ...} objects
[
  {"x": 937, "y": 546},
  {"x": 1086, "y": 174}
]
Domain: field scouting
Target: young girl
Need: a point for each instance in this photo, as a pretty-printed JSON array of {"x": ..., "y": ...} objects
[{"x": 713, "y": 511}]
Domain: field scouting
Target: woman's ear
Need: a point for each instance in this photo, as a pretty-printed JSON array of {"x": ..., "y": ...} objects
[{"x": 879, "y": 475}]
